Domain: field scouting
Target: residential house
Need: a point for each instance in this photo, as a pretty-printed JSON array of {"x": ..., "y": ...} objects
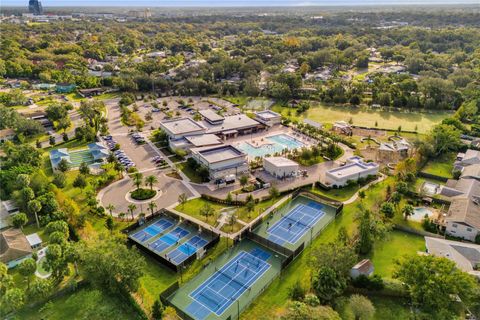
[
  {"x": 14, "y": 247},
  {"x": 465, "y": 255}
]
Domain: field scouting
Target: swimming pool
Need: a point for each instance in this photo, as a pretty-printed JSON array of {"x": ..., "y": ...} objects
[
  {"x": 420, "y": 212},
  {"x": 278, "y": 144}
]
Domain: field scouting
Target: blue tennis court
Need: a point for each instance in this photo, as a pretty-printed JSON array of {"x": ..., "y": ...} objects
[
  {"x": 226, "y": 285},
  {"x": 152, "y": 230},
  {"x": 168, "y": 240},
  {"x": 291, "y": 227},
  {"x": 187, "y": 249}
]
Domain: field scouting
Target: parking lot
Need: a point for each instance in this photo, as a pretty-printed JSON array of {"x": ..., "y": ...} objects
[
  {"x": 140, "y": 154},
  {"x": 174, "y": 109}
]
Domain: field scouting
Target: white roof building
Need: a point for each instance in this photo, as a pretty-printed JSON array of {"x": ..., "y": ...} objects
[
  {"x": 222, "y": 160},
  {"x": 355, "y": 169},
  {"x": 34, "y": 240},
  {"x": 280, "y": 167},
  {"x": 268, "y": 117},
  {"x": 179, "y": 128}
]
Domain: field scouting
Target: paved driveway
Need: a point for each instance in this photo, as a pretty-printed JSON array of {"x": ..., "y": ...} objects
[{"x": 116, "y": 194}]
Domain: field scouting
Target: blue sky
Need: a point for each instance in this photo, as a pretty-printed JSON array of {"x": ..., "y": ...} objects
[{"x": 228, "y": 3}]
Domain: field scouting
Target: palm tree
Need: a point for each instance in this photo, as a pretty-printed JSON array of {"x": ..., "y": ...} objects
[
  {"x": 34, "y": 206},
  {"x": 150, "y": 180},
  {"x": 131, "y": 209},
  {"x": 122, "y": 215},
  {"x": 232, "y": 219},
  {"x": 137, "y": 179},
  {"x": 110, "y": 209},
  {"x": 407, "y": 211},
  {"x": 152, "y": 206},
  {"x": 182, "y": 199},
  {"x": 206, "y": 211}
]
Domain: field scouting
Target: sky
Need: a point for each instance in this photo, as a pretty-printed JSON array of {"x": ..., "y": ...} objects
[{"x": 228, "y": 3}]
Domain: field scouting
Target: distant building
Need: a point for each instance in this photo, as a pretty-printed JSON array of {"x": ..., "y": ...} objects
[
  {"x": 14, "y": 247},
  {"x": 342, "y": 127},
  {"x": 35, "y": 7},
  {"x": 394, "y": 151},
  {"x": 6, "y": 134},
  {"x": 355, "y": 169},
  {"x": 8, "y": 208},
  {"x": 65, "y": 87},
  {"x": 364, "y": 267},
  {"x": 221, "y": 161},
  {"x": 280, "y": 167},
  {"x": 468, "y": 158}
]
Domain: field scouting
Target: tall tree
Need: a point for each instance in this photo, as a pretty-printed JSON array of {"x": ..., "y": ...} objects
[
  {"x": 34, "y": 207},
  {"x": 435, "y": 283}
]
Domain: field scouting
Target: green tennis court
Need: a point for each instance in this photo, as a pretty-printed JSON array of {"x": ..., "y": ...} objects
[
  {"x": 234, "y": 290},
  {"x": 77, "y": 157}
]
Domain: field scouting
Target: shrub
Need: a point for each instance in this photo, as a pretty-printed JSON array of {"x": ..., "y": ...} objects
[
  {"x": 296, "y": 292},
  {"x": 374, "y": 282},
  {"x": 143, "y": 194},
  {"x": 311, "y": 300}
]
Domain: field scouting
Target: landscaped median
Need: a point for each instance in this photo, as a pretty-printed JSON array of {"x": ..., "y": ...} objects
[{"x": 143, "y": 194}]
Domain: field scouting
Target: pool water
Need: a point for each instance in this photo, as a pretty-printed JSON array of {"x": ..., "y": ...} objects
[
  {"x": 278, "y": 143},
  {"x": 420, "y": 213}
]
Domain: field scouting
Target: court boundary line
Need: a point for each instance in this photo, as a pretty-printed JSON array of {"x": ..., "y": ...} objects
[
  {"x": 217, "y": 273},
  {"x": 298, "y": 235}
]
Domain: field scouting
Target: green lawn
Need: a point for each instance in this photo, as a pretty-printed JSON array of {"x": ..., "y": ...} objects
[
  {"x": 441, "y": 167},
  {"x": 191, "y": 174},
  {"x": 385, "y": 308},
  {"x": 340, "y": 194},
  {"x": 192, "y": 208},
  {"x": 395, "y": 246},
  {"x": 276, "y": 295},
  {"x": 422, "y": 122},
  {"x": 86, "y": 303}
]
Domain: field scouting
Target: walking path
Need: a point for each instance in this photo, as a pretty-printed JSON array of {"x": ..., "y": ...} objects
[{"x": 365, "y": 187}]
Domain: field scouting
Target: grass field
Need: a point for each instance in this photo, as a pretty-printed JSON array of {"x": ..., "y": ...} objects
[
  {"x": 395, "y": 246},
  {"x": 192, "y": 208},
  {"x": 191, "y": 174},
  {"x": 86, "y": 303},
  {"x": 385, "y": 308},
  {"x": 421, "y": 122},
  {"x": 441, "y": 167},
  {"x": 340, "y": 194}
]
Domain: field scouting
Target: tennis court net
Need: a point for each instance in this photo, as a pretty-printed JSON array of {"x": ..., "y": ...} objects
[{"x": 231, "y": 278}]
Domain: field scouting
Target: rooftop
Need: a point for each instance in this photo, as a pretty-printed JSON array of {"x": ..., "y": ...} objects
[
  {"x": 280, "y": 161},
  {"x": 465, "y": 255},
  {"x": 34, "y": 239},
  {"x": 239, "y": 121},
  {"x": 204, "y": 140},
  {"x": 219, "y": 153},
  {"x": 210, "y": 115},
  {"x": 267, "y": 114},
  {"x": 465, "y": 210},
  {"x": 13, "y": 245},
  {"x": 352, "y": 169},
  {"x": 181, "y": 126}
]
